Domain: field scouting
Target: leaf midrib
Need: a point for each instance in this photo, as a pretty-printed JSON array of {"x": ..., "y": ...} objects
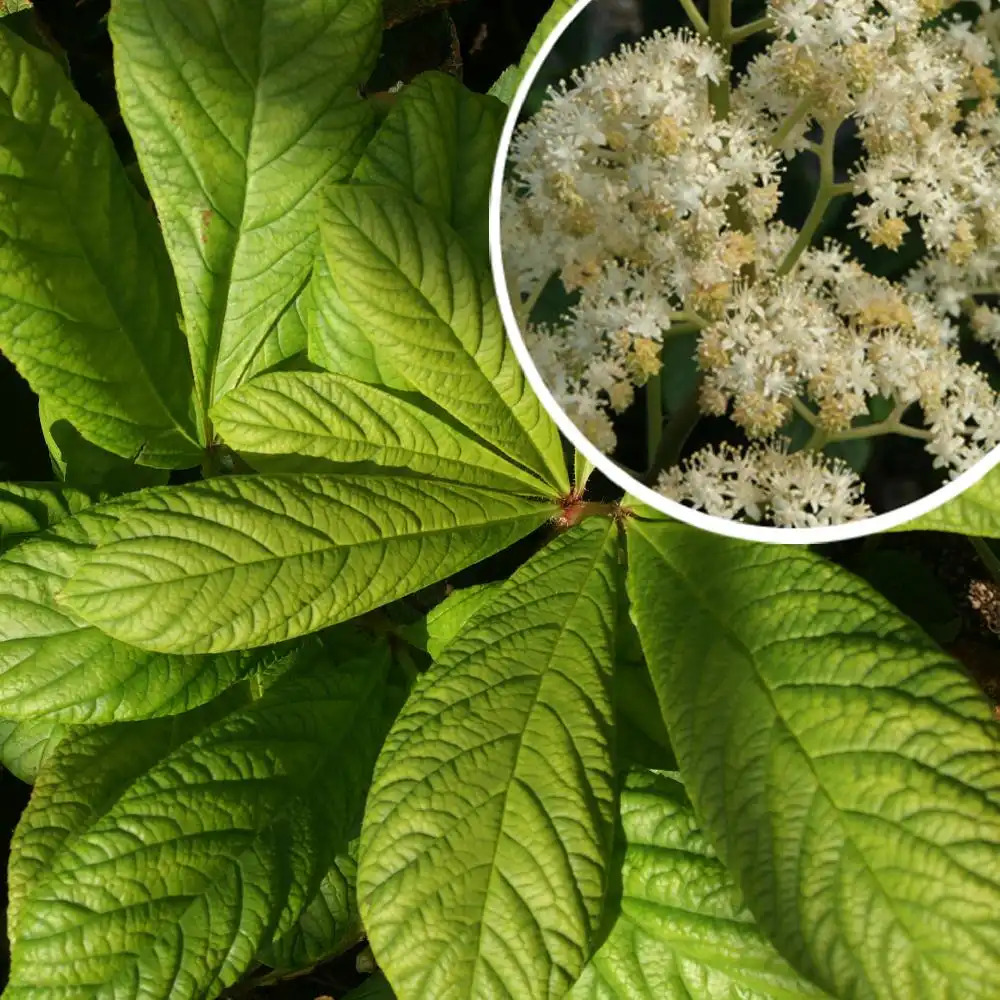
[
  {"x": 333, "y": 546},
  {"x": 519, "y": 738}
]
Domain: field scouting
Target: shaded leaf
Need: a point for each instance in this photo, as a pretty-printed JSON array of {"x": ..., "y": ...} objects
[
  {"x": 25, "y": 746},
  {"x": 681, "y": 931}
]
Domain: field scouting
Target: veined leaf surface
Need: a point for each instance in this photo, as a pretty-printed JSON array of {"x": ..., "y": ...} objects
[
  {"x": 336, "y": 342},
  {"x": 241, "y": 110},
  {"x": 842, "y": 765},
  {"x": 329, "y": 925},
  {"x": 87, "y": 302},
  {"x": 25, "y": 746},
  {"x": 445, "y": 621},
  {"x": 26, "y": 508},
  {"x": 242, "y": 561},
  {"x": 150, "y": 873},
  {"x": 54, "y": 666},
  {"x": 489, "y": 824},
  {"x": 438, "y": 145},
  {"x": 315, "y": 422},
  {"x": 429, "y": 308},
  {"x": 976, "y": 511},
  {"x": 682, "y": 932}
]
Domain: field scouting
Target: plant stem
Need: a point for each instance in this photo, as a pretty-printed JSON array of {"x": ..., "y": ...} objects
[
  {"x": 794, "y": 117},
  {"x": 737, "y": 35},
  {"x": 686, "y": 319},
  {"x": 674, "y": 436},
  {"x": 654, "y": 416},
  {"x": 524, "y": 309},
  {"x": 694, "y": 15},
  {"x": 826, "y": 193},
  {"x": 987, "y": 555},
  {"x": 720, "y": 26}
]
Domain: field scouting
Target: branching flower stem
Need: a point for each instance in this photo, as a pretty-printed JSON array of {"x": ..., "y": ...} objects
[
  {"x": 694, "y": 15},
  {"x": 893, "y": 424},
  {"x": 741, "y": 34},
  {"x": 828, "y": 190}
]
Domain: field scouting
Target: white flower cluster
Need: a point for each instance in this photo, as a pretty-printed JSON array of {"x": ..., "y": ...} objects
[
  {"x": 766, "y": 483},
  {"x": 650, "y": 184}
]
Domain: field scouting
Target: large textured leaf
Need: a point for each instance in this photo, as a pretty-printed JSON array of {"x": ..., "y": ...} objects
[
  {"x": 247, "y": 560},
  {"x": 317, "y": 422},
  {"x": 489, "y": 824},
  {"x": 87, "y": 303},
  {"x": 25, "y": 746},
  {"x": 438, "y": 145},
  {"x": 56, "y": 667},
  {"x": 682, "y": 932},
  {"x": 974, "y": 512},
  {"x": 153, "y": 865},
  {"x": 430, "y": 309},
  {"x": 842, "y": 765},
  {"x": 241, "y": 111},
  {"x": 329, "y": 925},
  {"x": 26, "y": 508}
]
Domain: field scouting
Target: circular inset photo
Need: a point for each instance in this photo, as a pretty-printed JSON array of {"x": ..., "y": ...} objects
[{"x": 749, "y": 254}]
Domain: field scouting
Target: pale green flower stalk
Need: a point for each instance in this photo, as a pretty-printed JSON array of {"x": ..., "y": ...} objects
[{"x": 650, "y": 184}]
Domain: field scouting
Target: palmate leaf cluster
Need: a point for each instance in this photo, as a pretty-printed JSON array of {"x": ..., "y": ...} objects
[{"x": 648, "y": 762}]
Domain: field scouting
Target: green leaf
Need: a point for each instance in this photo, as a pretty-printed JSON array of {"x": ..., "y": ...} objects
[
  {"x": 438, "y": 145},
  {"x": 87, "y": 303},
  {"x": 336, "y": 342},
  {"x": 446, "y": 620},
  {"x": 25, "y": 746},
  {"x": 681, "y": 931},
  {"x": 56, "y": 667},
  {"x": 317, "y": 422},
  {"x": 26, "y": 508},
  {"x": 81, "y": 464},
  {"x": 103, "y": 760},
  {"x": 583, "y": 468},
  {"x": 328, "y": 926},
  {"x": 490, "y": 820},
  {"x": 976, "y": 511},
  {"x": 13, "y": 6},
  {"x": 241, "y": 112},
  {"x": 430, "y": 309},
  {"x": 843, "y": 766},
  {"x": 159, "y": 866},
  {"x": 506, "y": 86},
  {"x": 236, "y": 562},
  {"x": 375, "y": 987}
]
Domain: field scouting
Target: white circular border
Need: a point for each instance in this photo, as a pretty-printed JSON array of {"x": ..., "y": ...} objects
[{"x": 718, "y": 525}]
